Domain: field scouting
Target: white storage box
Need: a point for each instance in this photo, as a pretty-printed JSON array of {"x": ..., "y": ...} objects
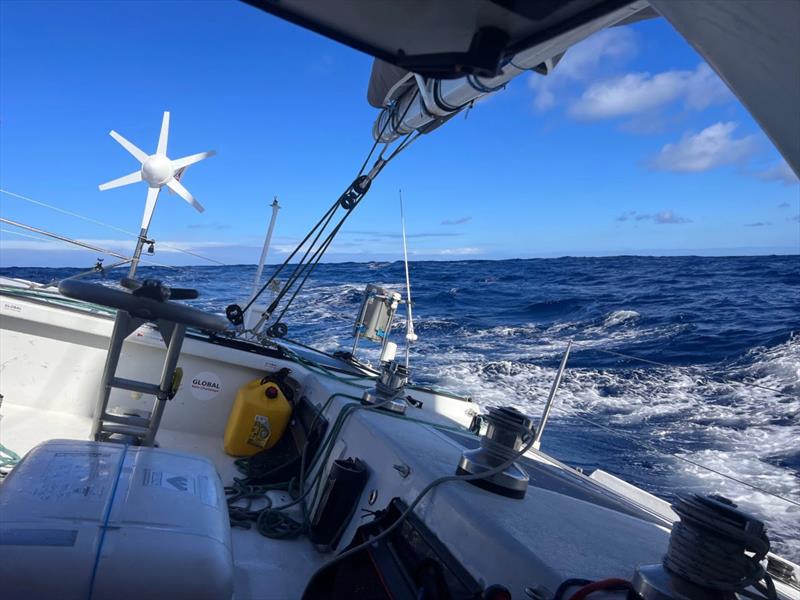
[{"x": 96, "y": 520}]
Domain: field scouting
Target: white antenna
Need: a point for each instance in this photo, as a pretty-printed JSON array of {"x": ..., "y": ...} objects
[
  {"x": 157, "y": 171},
  {"x": 410, "y": 335}
]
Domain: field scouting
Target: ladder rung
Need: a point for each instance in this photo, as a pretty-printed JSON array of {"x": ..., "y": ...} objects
[
  {"x": 135, "y": 386},
  {"x": 132, "y": 420},
  {"x": 124, "y": 430}
]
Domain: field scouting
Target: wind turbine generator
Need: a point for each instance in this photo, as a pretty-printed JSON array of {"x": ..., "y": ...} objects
[{"x": 157, "y": 171}]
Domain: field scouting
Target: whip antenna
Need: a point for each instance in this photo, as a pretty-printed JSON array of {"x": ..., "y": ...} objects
[{"x": 410, "y": 335}]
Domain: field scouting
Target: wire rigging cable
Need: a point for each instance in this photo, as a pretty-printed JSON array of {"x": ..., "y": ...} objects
[
  {"x": 643, "y": 444},
  {"x": 649, "y": 446},
  {"x": 665, "y": 365},
  {"x": 47, "y": 234},
  {"x": 106, "y": 225},
  {"x": 315, "y": 250}
]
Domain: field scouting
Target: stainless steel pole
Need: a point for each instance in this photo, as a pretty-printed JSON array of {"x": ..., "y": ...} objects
[
  {"x": 537, "y": 441},
  {"x": 265, "y": 249},
  {"x": 137, "y": 253}
]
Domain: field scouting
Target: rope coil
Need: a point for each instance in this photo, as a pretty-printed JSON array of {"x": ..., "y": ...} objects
[{"x": 716, "y": 546}]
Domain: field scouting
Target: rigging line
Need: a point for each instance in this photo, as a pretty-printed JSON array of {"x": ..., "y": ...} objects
[
  {"x": 301, "y": 265},
  {"x": 190, "y": 253},
  {"x": 67, "y": 240},
  {"x": 280, "y": 268},
  {"x": 409, "y": 139},
  {"x": 70, "y": 213},
  {"x": 327, "y": 242},
  {"x": 106, "y": 225},
  {"x": 40, "y": 286},
  {"x": 316, "y": 258},
  {"x": 62, "y": 238},
  {"x": 665, "y": 365},
  {"x": 374, "y": 145},
  {"x": 377, "y": 168},
  {"x": 644, "y": 444}
]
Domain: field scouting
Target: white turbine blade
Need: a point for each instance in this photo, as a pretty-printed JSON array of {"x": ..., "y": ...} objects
[
  {"x": 180, "y": 163},
  {"x": 177, "y": 187},
  {"x": 136, "y": 152},
  {"x": 149, "y": 206},
  {"x": 162, "y": 139},
  {"x": 134, "y": 177}
]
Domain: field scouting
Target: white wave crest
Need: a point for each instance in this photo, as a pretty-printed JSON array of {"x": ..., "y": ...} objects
[{"x": 620, "y": 316}]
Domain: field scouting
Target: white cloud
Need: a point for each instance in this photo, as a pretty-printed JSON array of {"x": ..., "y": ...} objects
[
  {"x": 780, "y": 172},
  {"x": 713, "y": 147},
  {"x": 447, "y": 251},
  {"x": 642, "y": 92},
  {"x": 667, "y": 217},
  {"x": 582, "y": 62},
  {"x": 664, "y": 217},
  {"x": 458, "y": 221},
  {"x": 119, "y": 246}
]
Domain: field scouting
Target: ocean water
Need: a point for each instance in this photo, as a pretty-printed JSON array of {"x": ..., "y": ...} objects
[{"x": 722, "y": 389}]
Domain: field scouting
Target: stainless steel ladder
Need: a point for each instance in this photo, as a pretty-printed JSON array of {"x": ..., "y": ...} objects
[{"x": 142, "y": 429}]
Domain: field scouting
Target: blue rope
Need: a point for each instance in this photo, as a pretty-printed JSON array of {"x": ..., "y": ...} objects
[{"x": 104, "y": 526}]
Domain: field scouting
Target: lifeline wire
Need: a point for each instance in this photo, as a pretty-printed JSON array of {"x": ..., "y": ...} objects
[
  {"x": 652, "y": 448},
  {"x": 46, "y": 234},
  {"x": 106, "y": 225},
  {"x": 660, "y": 364}
]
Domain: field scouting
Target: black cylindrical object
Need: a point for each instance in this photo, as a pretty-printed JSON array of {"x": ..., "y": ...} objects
[{"x": 339, "y": 499}]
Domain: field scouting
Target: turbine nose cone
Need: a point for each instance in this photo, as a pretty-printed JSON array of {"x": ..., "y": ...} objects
[{"x": 156, "y": 170}]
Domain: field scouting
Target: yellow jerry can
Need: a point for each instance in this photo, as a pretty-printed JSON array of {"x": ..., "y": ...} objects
[{"x": 258, "y": 418}]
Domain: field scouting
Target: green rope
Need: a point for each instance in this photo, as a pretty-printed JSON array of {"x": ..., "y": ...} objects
[
  {"x": 8, "y": 458},
  {"x": 326, "y": 372}
]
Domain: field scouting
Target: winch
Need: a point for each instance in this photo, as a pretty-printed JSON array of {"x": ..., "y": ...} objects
[
  {"x": 507, "y": 432},
  {"x": 389, "y": 388}
]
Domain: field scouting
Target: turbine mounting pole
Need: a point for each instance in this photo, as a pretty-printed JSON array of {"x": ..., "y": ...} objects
[{"x": 137, "y": 253}]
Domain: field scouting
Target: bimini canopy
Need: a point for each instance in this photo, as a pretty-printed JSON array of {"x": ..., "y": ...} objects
[{"x": 435, "y": 57}]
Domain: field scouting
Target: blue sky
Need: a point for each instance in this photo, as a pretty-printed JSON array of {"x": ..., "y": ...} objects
[{"x": 632, "y": 145}]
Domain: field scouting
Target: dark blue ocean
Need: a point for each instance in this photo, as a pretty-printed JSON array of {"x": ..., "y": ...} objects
[{"x": 725, "y": 333}]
